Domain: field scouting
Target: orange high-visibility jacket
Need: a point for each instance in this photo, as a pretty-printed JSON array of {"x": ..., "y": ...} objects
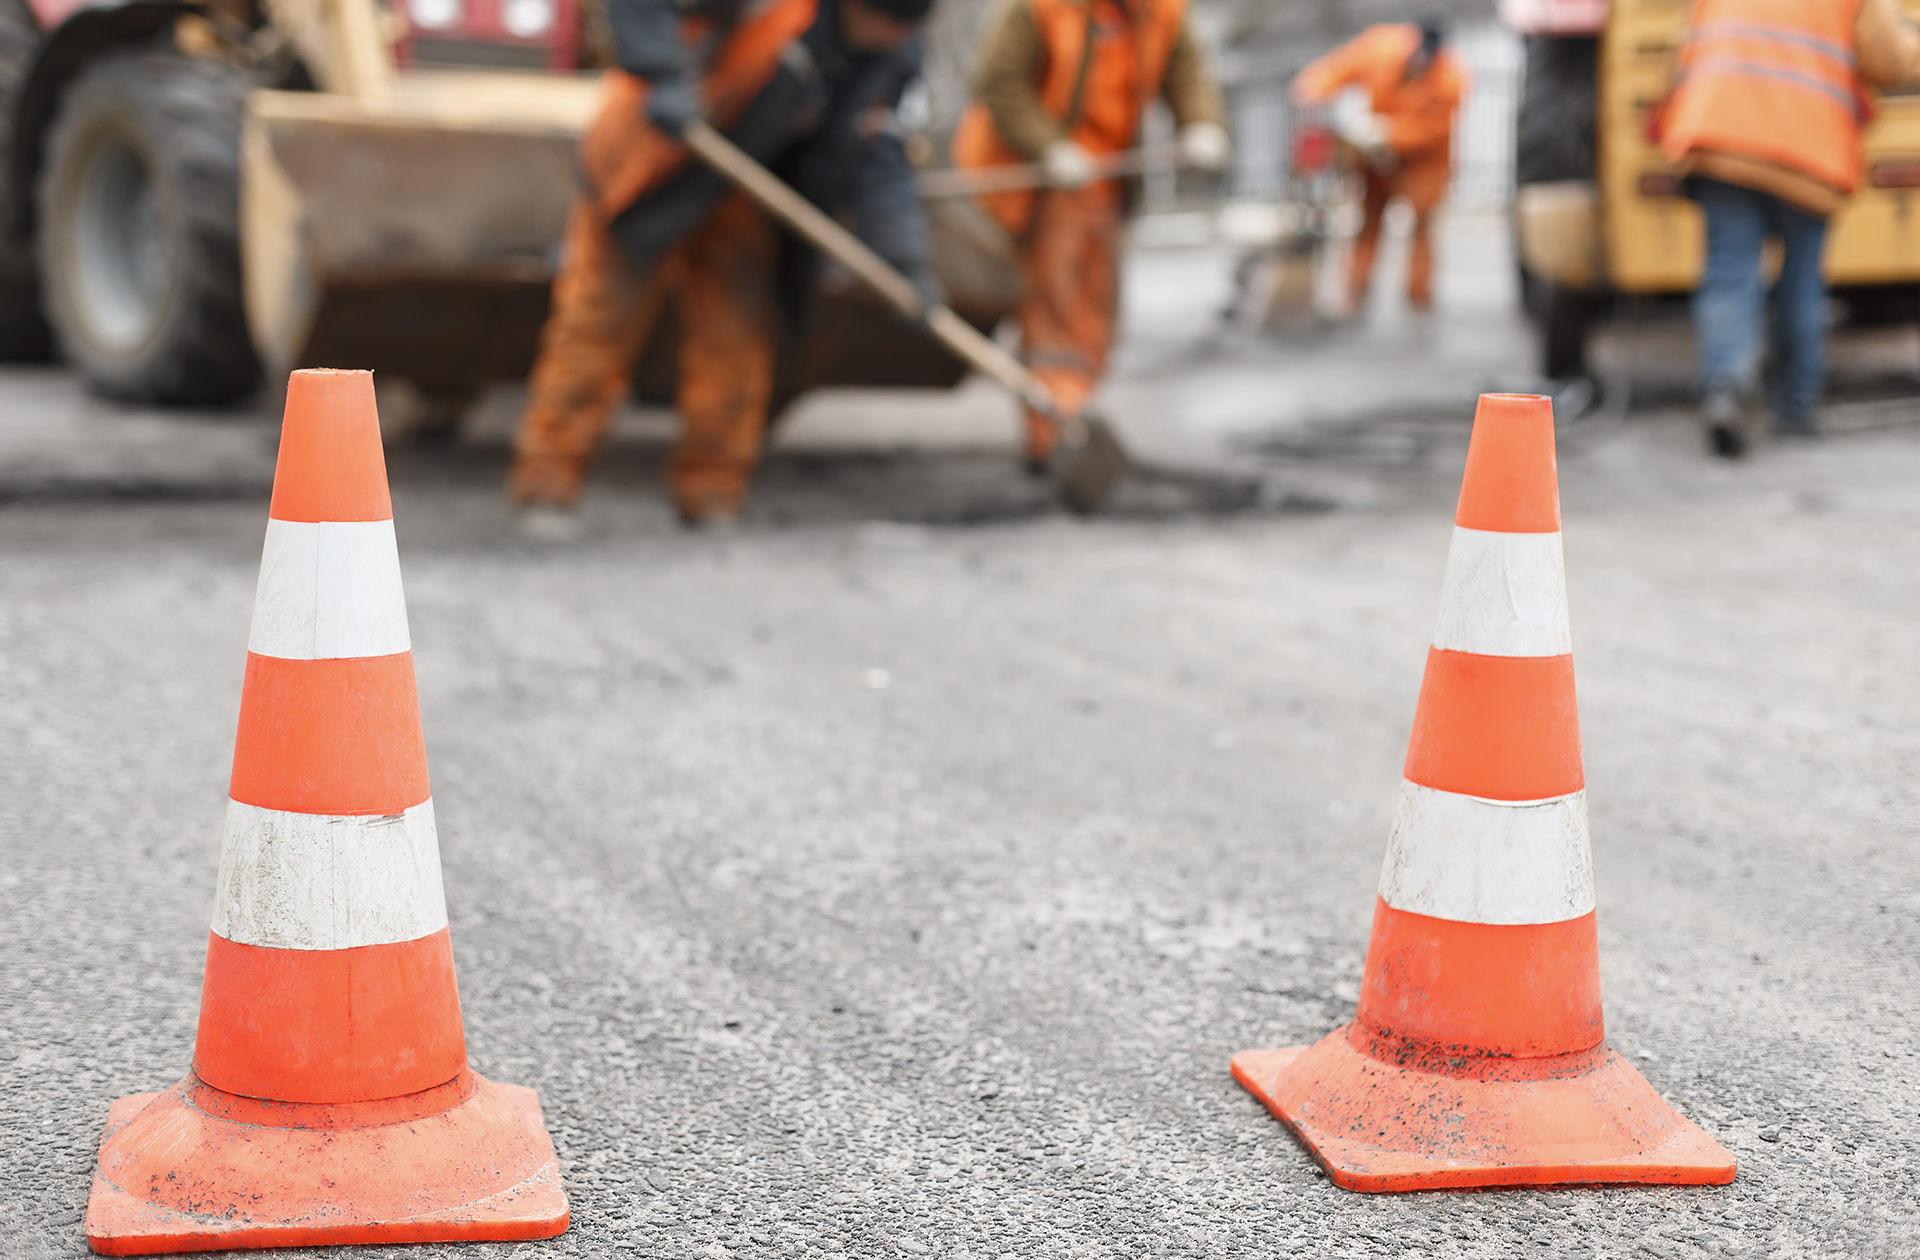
[
  {"x": 1772, "y": 80},
  {"x": 1131, "y": 44},
  {"x": 1419, "y": 111},
  {"x": 623, "y": 155}
]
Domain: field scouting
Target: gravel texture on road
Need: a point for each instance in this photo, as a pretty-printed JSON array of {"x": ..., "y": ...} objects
[{"x": 901, "y": 889}]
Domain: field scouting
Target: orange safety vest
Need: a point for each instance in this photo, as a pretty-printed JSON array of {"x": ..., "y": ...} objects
[
  {"x": 1772, "y": 80},
  {"x": 1131, "y": 45},
  {"x": 624, "y": 155}
]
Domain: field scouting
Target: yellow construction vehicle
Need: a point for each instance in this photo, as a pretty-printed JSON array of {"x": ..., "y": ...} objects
[
  {"x": 197, "y": 193},
  {"x": 1598, "y": 211}
]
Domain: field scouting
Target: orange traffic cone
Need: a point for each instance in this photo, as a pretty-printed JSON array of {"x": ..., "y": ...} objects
[
  {"x": 330, "y": 1099},
  {"x": 1476, "y": 1056}
]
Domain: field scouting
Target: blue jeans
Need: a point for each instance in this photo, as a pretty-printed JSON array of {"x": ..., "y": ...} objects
[{"x": 1731, "y": 300}]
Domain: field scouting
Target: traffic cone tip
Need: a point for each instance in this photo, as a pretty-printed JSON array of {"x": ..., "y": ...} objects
[
  {"x": 1511, "y": 484},
  {"x": 332, "y": 466}
]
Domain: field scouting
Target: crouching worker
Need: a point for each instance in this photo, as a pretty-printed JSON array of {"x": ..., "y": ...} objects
[
  {"x": 805, "y": 86},
  {"x": 1064, "y": 83},
  {"x": 1413, "y": 85}
]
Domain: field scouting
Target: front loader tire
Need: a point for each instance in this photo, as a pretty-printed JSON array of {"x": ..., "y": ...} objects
[
  {"x": 139, "y": 230},
  {"x": 24, "y": 335}
]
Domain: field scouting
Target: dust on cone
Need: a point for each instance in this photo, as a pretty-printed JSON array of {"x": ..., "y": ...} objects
[
  {"x": 1477, "y": 1056},
  {"x": 330, "y": 1099}
]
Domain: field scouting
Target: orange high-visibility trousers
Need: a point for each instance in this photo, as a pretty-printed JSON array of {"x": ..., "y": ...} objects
[
  {"x": 1070, "y": 273},
  {"x": 721, "y": 281},
  {"x": 1423, "y": 182}
]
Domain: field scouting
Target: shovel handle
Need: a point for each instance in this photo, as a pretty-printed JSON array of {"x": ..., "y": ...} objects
[{"x": 851, "y": 252}]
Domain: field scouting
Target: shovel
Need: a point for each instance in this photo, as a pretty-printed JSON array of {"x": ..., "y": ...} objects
[{"x": 1088, "y": 462}]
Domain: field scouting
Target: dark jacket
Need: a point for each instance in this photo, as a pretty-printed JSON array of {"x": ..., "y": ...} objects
[{"x": 825, "y": 124}]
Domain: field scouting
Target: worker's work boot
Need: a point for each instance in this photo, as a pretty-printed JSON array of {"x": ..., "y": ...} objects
[
  {"x": 1728, "y": 422},
  {"x": 1043, "y": 437},
  {"x": 1802, "y": 426},
  {"x": 545, "y": 523},
  {"x": 553, "y": 480},
  {"x": 1070, "y": 388},
  {"x": 709, "y": 503}
]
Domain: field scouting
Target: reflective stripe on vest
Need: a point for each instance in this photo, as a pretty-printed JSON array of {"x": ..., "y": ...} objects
[
  {"x": 1707, "y": 31},
  {"x": 1768, "y": 50},
  {"x": 1771, "y": 80},
  {"x": 1711, "y": 64}
]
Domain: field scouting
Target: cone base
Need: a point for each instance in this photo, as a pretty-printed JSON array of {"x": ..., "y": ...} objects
[
  {"x": 1377, "y": 1127},
  {"x": 173, "y": 1177}
]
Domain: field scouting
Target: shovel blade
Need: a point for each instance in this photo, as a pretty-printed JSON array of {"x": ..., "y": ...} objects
[{"x": 1092, "y": 467}]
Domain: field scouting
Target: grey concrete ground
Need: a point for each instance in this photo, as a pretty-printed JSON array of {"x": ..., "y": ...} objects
[{"x": 896, "y": 876}]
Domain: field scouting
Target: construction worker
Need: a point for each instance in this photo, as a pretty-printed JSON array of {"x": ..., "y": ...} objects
[
  {"x": 1064, "y": 83},
  {"x": 1766, "y": 121},
  {"x": 807, "y": 86},
  {"x": 1413, "y": 84}
]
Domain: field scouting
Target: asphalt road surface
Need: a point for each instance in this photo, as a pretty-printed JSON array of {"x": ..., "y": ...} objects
[{"x": 895, "y": 876}]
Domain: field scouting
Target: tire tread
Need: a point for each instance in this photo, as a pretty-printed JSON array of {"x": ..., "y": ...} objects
[
  {"x": 202, "y": 353},
  {"x": 24, "y": 333}
]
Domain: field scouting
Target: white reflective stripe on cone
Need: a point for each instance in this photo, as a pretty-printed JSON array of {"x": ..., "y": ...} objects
[
  {"x": 329, "y": 589},
  {"x": 1504, "y": 595},
  {"x": 328, "y": 881},
  {"x": 1479, "y": 861}
]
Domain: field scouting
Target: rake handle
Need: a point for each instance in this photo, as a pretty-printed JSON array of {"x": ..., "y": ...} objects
[{"x": 1025, "y": 175}]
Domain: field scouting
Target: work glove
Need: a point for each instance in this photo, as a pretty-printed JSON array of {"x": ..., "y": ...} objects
[
  {"x": 1367, "y": 132},
  {"x": 1356, "y": 124},
  {"x": 1205, "y": 146},
  {"x": 673, "y": 104},
  {"x": 1374, "y": 147},
  {"x": 1067, "y": 165}
]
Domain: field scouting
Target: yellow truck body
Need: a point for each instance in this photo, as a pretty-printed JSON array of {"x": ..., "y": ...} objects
[{"x": 1630, "y": 230}]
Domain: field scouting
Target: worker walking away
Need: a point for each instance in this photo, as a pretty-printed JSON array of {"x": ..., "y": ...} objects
[
  {"x": 1066, "y": 83},
  {"x": 1413, "y": 85},
  {"x": 806, "y": 86},
  {"x": 1766, "y": 120}
]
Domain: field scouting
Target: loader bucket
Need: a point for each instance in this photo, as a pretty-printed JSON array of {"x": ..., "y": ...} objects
[
  {"x": 418, "y": 235},
  {"x": 415, "y": 235}
]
